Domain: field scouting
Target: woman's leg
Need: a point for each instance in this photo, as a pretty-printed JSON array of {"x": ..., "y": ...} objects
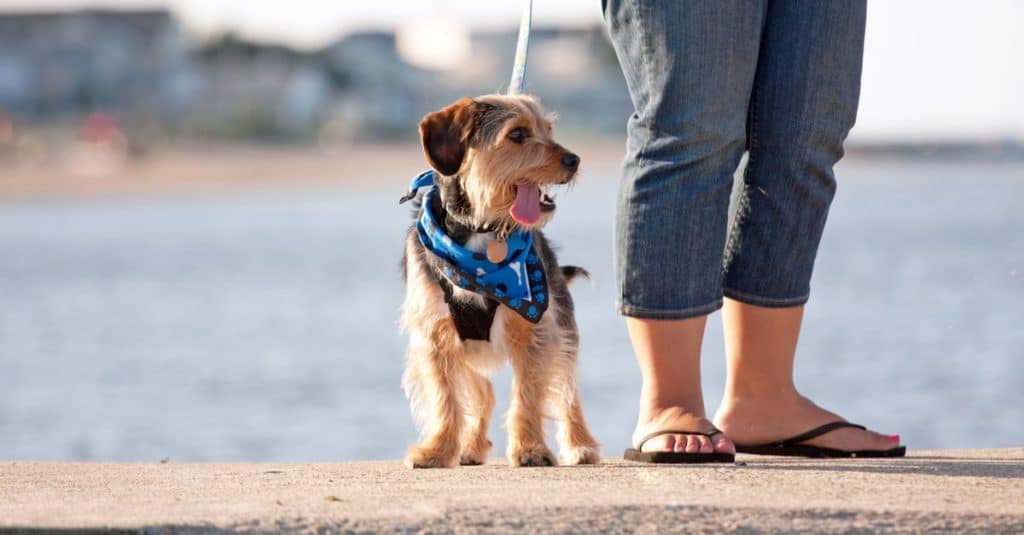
[
  {"x": 804, "y": 103},
  {"x": 668, "y": 353},
  {"x": 761, "y": 402},
  {"x": 690, "y": 68}
]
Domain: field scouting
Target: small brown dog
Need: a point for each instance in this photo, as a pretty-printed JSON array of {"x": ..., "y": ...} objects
[{"x": 483, "y": 286}]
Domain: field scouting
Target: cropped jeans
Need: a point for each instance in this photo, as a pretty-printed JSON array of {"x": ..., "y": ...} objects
[{"x": 710, "y": 80}]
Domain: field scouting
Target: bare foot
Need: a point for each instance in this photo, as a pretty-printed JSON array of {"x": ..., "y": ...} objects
[
  {"x": 761, "y": 421},
  {"x": 677, "y": 418}
]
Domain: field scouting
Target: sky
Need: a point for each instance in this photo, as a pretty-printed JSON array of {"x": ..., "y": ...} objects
[{"x": 934, "y": 70}]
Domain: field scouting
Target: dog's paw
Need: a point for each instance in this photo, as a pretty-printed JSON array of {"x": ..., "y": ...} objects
[
  {"x": 581, "y": 455},
  {"x": 535, "y": 455},
  {"x": 421, "y": 457},
  {"x": 472, "y": 459},
  {"x": 476, "y": 454}
]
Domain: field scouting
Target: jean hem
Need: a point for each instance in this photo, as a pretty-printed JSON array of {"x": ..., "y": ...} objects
[
  {"x": 674, "y": 314},
  {"x": 768, "y": 302}
]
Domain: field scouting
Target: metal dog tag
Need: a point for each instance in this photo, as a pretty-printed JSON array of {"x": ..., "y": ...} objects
[{"x": 497, "y": 250}]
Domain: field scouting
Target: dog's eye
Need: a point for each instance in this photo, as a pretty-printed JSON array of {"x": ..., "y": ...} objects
[{"x": 518, "y": 135}]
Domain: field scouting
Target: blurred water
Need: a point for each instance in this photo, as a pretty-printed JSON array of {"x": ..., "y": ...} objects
[{"x": 262, "y": 328}]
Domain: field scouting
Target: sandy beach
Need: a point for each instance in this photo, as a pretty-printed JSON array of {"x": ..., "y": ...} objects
[{"x": 954, "y": 491}]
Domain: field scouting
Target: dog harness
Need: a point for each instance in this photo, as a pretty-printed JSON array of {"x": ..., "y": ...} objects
[{"x": 518, "y": 281}]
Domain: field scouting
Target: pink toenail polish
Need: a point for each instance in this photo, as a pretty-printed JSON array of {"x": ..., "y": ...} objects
[{"x": 895, "y": 439}]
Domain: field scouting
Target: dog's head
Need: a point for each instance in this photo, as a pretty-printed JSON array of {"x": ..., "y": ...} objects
[{"x": 496, "y": 158}]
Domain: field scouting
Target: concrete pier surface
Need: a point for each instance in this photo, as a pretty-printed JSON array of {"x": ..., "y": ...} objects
[{"x": 956, "y": 490}]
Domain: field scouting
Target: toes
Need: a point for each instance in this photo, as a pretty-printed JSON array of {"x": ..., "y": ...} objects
[
  {"x": 856, "y": 439},
  {"x": 662, "y": 443},
  {"x": 887, "y": 441},
  {"x": 869, "y": 440},
  {"x": 722, "y": 444},
  {"x": 689, "y": 444}
]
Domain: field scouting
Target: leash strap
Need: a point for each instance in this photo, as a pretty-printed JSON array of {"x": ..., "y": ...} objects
[{"x": 515, "y": 86}]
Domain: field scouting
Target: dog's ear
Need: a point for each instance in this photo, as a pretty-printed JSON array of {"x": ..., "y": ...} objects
[{"x": 445, "y": 135}]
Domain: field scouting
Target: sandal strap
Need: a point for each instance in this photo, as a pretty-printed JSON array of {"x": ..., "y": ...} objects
[
  {"x": 817, "y": 432},
  {"x": 676, "y": 432}
]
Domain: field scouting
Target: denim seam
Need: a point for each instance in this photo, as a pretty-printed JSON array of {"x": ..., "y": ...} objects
[
  {"x": 774, "y": 302},
  {"x": 627, "y": 239},
  {"x": 645, "y": 67},
  {"x": 641, "y": 151},
  {"x": 733, "y": 240},
  {"x": 676, "y": 314}
]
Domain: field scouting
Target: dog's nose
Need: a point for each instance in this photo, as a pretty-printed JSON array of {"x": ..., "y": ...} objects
[{"x": 570, "y": 161}]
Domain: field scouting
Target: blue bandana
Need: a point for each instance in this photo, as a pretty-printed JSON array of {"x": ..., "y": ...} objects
[{"x": 518, "y": 281}]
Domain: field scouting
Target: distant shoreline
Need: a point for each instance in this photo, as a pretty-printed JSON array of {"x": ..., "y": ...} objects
[
  {"x": 1008, "y": 150},
  {"x": 193, "y": 169},
  {"x": 218, "y": 169}
]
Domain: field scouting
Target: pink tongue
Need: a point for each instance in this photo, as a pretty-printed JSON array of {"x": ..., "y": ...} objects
[{"x": 526, "y": 209}]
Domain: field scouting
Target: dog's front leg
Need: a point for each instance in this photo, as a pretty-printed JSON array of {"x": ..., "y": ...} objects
[
  {"x": 525, "y": 419},
  {"x": 435, "y": 371},
  {"x": 575, "y": 441},
  {"x": 475, "y": 445}
]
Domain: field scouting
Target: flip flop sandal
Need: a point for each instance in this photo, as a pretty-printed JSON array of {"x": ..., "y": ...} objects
[
  {"x": 792, "y": 447},
  {"x": 675, "y": 457}
]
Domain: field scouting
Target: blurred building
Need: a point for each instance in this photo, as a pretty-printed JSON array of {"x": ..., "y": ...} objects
[
  {"x": 249, "y": 89},
  {"x": 55, "y": 64},
  {"x": 141, "y": 67},
  {"x": 379, "y": 93},
  {"x": 573, "y": 70}
]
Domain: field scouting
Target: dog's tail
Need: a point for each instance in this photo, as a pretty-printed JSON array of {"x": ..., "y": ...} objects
[{"x": 571, "y": 272}]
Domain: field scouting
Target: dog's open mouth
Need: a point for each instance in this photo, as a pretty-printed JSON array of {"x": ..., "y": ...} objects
[
  {"x": 547, "y": 202},
  {"x": 530, "y": 203}
]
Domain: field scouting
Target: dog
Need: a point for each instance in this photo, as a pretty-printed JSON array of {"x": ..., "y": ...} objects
[{"x": 493, "y": 160}]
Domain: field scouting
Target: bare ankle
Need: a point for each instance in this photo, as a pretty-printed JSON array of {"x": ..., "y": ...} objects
[
  {"x": 653, "y": 405},
  {"x": 739, "y": 394},
  {"x": 661, "y": 416}
]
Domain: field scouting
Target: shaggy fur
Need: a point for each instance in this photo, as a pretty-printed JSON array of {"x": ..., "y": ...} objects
[{"x": 480, "y": 149}]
